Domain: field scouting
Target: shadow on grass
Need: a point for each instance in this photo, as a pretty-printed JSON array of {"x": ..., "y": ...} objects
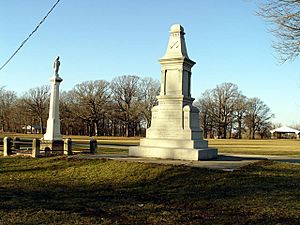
[
  {"x": 288, "y": 160},
  {"x": 173, "y": 195},
  {"x": 238, "y": 158}
]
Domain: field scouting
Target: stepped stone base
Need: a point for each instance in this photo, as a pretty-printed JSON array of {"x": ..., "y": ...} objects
[
  {"x": 55, "y": 147},
  {"x": 173, "y": 153}
]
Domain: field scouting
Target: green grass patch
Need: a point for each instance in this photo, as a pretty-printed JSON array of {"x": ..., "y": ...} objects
[
  {"x": 114, "y": 151},
  {"x": 59, "y": 190}
]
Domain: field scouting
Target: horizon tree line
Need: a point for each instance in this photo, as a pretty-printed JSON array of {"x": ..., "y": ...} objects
[{"x": 123, "y": 107}]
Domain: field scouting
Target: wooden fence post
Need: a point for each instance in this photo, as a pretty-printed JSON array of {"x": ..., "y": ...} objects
[
  {"x": 36, "y": 144},
  {"x": 68, "y": 146},
  {"x": 47, "y": 151},
  {"x": 7, "y": 146},
  {"x": 93, "y": 146}
]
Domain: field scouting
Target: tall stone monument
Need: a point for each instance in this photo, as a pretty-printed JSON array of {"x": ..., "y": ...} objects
[
  {"x": 175, "y": 131},
  {"x": 53, "y": 138}
]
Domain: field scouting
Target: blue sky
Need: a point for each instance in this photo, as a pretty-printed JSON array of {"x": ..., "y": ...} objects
[{"x": 99, "y": 39}]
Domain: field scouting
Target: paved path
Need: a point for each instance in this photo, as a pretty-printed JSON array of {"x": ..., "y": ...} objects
[{"x": 226, "y": 162}]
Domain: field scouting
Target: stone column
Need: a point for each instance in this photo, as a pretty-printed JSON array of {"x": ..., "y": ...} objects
[
  {"x": 53, "y": 122},
  {"x": 53, "y": 138}
]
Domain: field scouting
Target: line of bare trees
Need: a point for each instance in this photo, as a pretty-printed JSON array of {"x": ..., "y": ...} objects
[
  {"x": 121, "y": 107},
  {"x": 226, "y": 113}
]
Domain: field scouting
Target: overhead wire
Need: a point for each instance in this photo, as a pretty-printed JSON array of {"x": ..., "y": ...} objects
[{"x": 29, "y": 36}]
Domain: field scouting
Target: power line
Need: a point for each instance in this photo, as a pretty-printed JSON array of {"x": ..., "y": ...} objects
[{"x": 36, "y": 28}]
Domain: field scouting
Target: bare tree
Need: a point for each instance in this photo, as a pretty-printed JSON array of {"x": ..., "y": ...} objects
[
  {"x": 37, "y": 102},
  {"x": 224, "y": 98},
  {"x": 240, "y": 110},
  {"x": 7, "y": 101},
  {"x": 69, "y": 122},
  {"x": 217, "y": 107},
  {"x": 149, "y": 89},
  {"x": 206, "y": 108},
  {"x": 257, "y": 117},
  {"x": 22, "y": 115},
  {"x": 284, "y": 17},
  {"x": 125, "y": 93},
  {"x": 91, "y": 99}
]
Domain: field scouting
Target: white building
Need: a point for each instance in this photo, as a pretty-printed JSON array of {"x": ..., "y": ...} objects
[{"x": 285, "y": 133}]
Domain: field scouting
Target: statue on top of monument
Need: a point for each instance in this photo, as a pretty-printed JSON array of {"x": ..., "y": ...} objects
[{"x": 56, "y": 65}]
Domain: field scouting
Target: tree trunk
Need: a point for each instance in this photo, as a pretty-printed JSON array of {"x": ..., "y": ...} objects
[
  {"x": 239, "y": 129},
  {"x": 96, "y": 128},
  {"x": 253, "y": 131},
  {"x": 253, "y": 134},
  {"x": 219, "y": 132},
  {"x": 225, "y": 131},
  {"x": 127, "y": 129},
  {"x": 230, "y": 131},
  {"x": 41, "y": 125}
]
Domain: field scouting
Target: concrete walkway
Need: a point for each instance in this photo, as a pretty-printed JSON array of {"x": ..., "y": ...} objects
[{"x": 226, "y": 162}]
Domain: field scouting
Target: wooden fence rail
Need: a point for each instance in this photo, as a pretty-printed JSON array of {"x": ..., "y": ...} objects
[
  {"x": 1, "y": 145},
  {"x": 16, "y": 145}
]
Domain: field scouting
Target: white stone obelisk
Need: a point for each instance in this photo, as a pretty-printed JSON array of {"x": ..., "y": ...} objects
[
  {"x": 53, "y": 123},
  {"x": 175, "y": 131}
]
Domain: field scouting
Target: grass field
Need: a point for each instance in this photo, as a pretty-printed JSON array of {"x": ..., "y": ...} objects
[
  {"x": 232, "y": 146},
  {"x": 59, "y": 190}
]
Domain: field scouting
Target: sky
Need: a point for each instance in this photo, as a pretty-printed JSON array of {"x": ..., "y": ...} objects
[{"x": 103, "y": 39}]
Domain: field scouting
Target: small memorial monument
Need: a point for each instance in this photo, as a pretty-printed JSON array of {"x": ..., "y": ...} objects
[
  {"x": 175, "y": 131},
  {"x": 53, "y": 138}
]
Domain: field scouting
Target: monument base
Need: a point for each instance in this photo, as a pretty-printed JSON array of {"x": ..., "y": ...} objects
[
  {"x": 173, "y": 153},
  {"x": 54, "y": 147}
]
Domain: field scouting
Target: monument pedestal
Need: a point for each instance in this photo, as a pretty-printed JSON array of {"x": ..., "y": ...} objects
[
  {"x": 173, "y": 153},
  {"x": 175, "y": 131}
]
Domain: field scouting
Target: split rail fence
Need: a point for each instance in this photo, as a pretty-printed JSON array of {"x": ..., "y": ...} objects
[{"x": 33, "y": 147}]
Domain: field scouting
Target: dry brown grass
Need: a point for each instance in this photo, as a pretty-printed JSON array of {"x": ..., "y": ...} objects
[{"x": 258, "y": 147}]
